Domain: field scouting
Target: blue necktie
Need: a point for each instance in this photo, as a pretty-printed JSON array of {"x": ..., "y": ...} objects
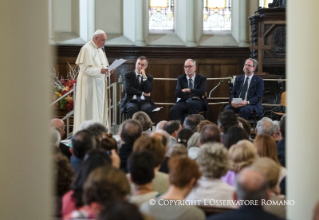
[
  {"x": 190, "y": 84},
  {"x": 244, "y": 90}
]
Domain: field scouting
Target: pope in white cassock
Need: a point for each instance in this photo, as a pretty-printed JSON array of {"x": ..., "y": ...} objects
[{"x": 91, "y": 102}]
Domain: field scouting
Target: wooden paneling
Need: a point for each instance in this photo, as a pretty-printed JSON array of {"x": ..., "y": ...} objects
[{"x": 167, "y": 62}]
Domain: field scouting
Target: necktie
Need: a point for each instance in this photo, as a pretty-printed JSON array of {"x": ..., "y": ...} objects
[
  {"x": 190, "y": 84},
  {"x": 244, "y": 90},
  {"x": 138, "y": 97}
]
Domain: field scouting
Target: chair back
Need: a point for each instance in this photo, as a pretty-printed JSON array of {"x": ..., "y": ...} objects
[{"x": 283, "y": 99}]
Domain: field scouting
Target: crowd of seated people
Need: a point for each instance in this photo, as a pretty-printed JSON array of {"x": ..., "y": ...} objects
[{"x": 149, "y": 173}]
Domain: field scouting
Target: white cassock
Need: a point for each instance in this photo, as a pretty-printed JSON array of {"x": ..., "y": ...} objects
[{"x": 91, "y": 97}]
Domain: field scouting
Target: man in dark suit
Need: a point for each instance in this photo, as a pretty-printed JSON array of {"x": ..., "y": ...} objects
[
  {"x": 138, "y": 86},
  {"x": 251, "y": 194},
  {"x": 190, "y": 91},
  {"x": 250, "y": 88}
]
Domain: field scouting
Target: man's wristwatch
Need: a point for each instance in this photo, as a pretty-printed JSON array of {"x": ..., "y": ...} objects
[{"x": 248, "y": 102}]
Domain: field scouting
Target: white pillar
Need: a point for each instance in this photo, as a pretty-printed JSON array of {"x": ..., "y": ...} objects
[
  {"x": 302, "y": 151},
  {"x": 140, "y": 16},
  {"x": 25, "y": 159},
  {"x": 190, "y": 21},
  {"x": 87, "y": 19},
  {"x": 244, "y": 37}
]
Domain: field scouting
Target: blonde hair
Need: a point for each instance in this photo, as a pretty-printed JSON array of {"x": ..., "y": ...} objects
[
  {"x": 144, "y": 119},
  {"x": 266, "y": 147},
  {"x": 269, "y": 168},
  {"x": 241, "y": 155}
]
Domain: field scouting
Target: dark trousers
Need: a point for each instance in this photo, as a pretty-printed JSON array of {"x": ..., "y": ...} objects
[
  {"x": 191, "y": 106},
  {"x": 242, "y": 112},
  {"x": 135, "y": 106}
]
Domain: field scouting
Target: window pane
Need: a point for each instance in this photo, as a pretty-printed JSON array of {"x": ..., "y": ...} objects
[
  {"x": 217, "y": 15},
  {"x": 264, "y": 3},
  {"x": 161, "y": 15}
]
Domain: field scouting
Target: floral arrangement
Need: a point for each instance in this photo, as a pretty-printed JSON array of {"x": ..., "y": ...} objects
[{"x": 62, "y": 86}]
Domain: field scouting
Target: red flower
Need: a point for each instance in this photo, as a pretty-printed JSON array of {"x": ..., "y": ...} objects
[
  {"x": 63, "y": 92},
  {"x": 69, "y": 106}
]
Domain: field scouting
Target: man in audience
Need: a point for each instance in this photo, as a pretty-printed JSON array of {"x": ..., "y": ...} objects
[
  {"x": 251, "y": 187},
  {"x": 138, "y": 86},
  {"x": 210, "y": 133},
  {"x": 250, "y": 88},
  {"x": 82, "y": 142},
  {"x": 191, "y": 122},
  {"x": 265, "y": 126},
  {"x": 141, "y": 169},
  {"x": 281, "y": 145},
  {"x": 160, "y": 125},
  {"x": 98, "y": 130},
  {"x": 131, "y": 131},
  {"x": 225, "y": 120},
  {"x": 172, "y": 128},
  {"x": 59, "y": 124},
  {"x": 276, "y": 135},
  {"x": 190, "y": 91}
]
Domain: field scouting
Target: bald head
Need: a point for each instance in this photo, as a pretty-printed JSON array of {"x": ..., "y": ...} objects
[
  {"x": 251, "y": 185},
  {"x": 58, "y": 124}
]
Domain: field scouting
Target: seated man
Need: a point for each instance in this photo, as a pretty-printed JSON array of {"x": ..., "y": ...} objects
[
  {"x": 138, "y": 86},
  {"x": 250, "y": 88},
  {"x": 190, "y": 91}
]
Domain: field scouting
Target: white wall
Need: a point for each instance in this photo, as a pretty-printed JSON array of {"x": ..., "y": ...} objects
[
  {"x": 109, "y": 16},
  {"x": 62, "y": 15}
]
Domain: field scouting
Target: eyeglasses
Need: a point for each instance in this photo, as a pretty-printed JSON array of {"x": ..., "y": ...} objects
[
  {"x": 188, "y": 67},
  {"x": 248, "y": 65}
]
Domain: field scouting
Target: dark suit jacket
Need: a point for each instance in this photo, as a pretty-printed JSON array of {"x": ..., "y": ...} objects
[
  {"x": 281, "y": 148},
  {"x": 255, "y": 92},
  {"x": 65, "y": 150},
  {"x": 199, "y": 88},
  {"x": 124, "y": 153},
  {"x": 245, "y": 213},
  {"x": 132, "y": 88}
]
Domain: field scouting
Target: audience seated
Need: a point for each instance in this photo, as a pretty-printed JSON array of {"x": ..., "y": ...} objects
[
  {"x": 103, "y": 186},
  {"x": 241, "y": 155},
  {"x": 184, "y": 135},
  {"x": 251, "y": 185},
  {"x": 131, "y": 131},
  {"x": 82, "y": 142},
  {"x": 72, "y": 200},
  {"x": 179, "y": 150},
  {"x": 143, "y": 119},
  {"x": 59, "y": 124},
  {"x": 141, "y": 168},
  {"x": 245, "y": 125},
  {"x": 266, "y": 147},
  {"x": 276, "y": 134},
  {"x": 191, "y": 122},
  {"x": 225, "y": 120},
  {"x": 63, "y": 178},
  {"x": 183, "y": 175},
  {"x": 281, "y": 145},
  {"x": 213, "y": 163},
  {"x": 108, "y": 143},
  {"x": 97, "y": 130},
  {"x": 156, "y": 147},
  {"x": 234, "y": 134},
  {"x": 264, "y": 126},
  {"x": 193, "y": 145},
  {"x": 160, "y": 125},
  {"x": 172, "y": 128},
  {"x": 203, "y": 123},
  {"x": 120, "y": 210},
  {"x": 271, "y": 171}
]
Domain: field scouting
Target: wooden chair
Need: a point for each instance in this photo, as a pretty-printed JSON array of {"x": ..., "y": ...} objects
[{"x": 282, "y": 106}]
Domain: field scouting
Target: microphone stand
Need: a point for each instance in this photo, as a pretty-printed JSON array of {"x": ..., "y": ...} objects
[{"x": 215, "y": 88}]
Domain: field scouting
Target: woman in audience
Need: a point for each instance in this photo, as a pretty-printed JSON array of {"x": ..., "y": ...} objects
[
  {"x": 193, "y": 145},
  {"x": 72, "y": 200},
  {"x": 183, "y": 175},
  {"x": 202, "y": 124},
  {"x": 144, "y": 119},
  {"x": 156, "y": 147},
  {"x": 234, "y": 134},
  {"x": 266, "y": 147},
  {"x": 240, "y": 155},
  {"x": 179, "y": 150},
  {"x": 108, "y": 143},
  {"x": 63, "y": 178},
  {"x": 103, "y": 186},
  {"x": 213, "y": 163},
  {"x": 140, "y": 166},
  {"x": 184, "y": 135},
  {"x": 271, "y": 170}
]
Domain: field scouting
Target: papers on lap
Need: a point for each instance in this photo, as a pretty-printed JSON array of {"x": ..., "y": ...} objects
[{"x": 237, "y": 100}]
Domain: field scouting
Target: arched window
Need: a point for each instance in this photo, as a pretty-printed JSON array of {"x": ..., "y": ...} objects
[
  {"x": 161, "y": 15},
  {"x": 216, "y": 15}
]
